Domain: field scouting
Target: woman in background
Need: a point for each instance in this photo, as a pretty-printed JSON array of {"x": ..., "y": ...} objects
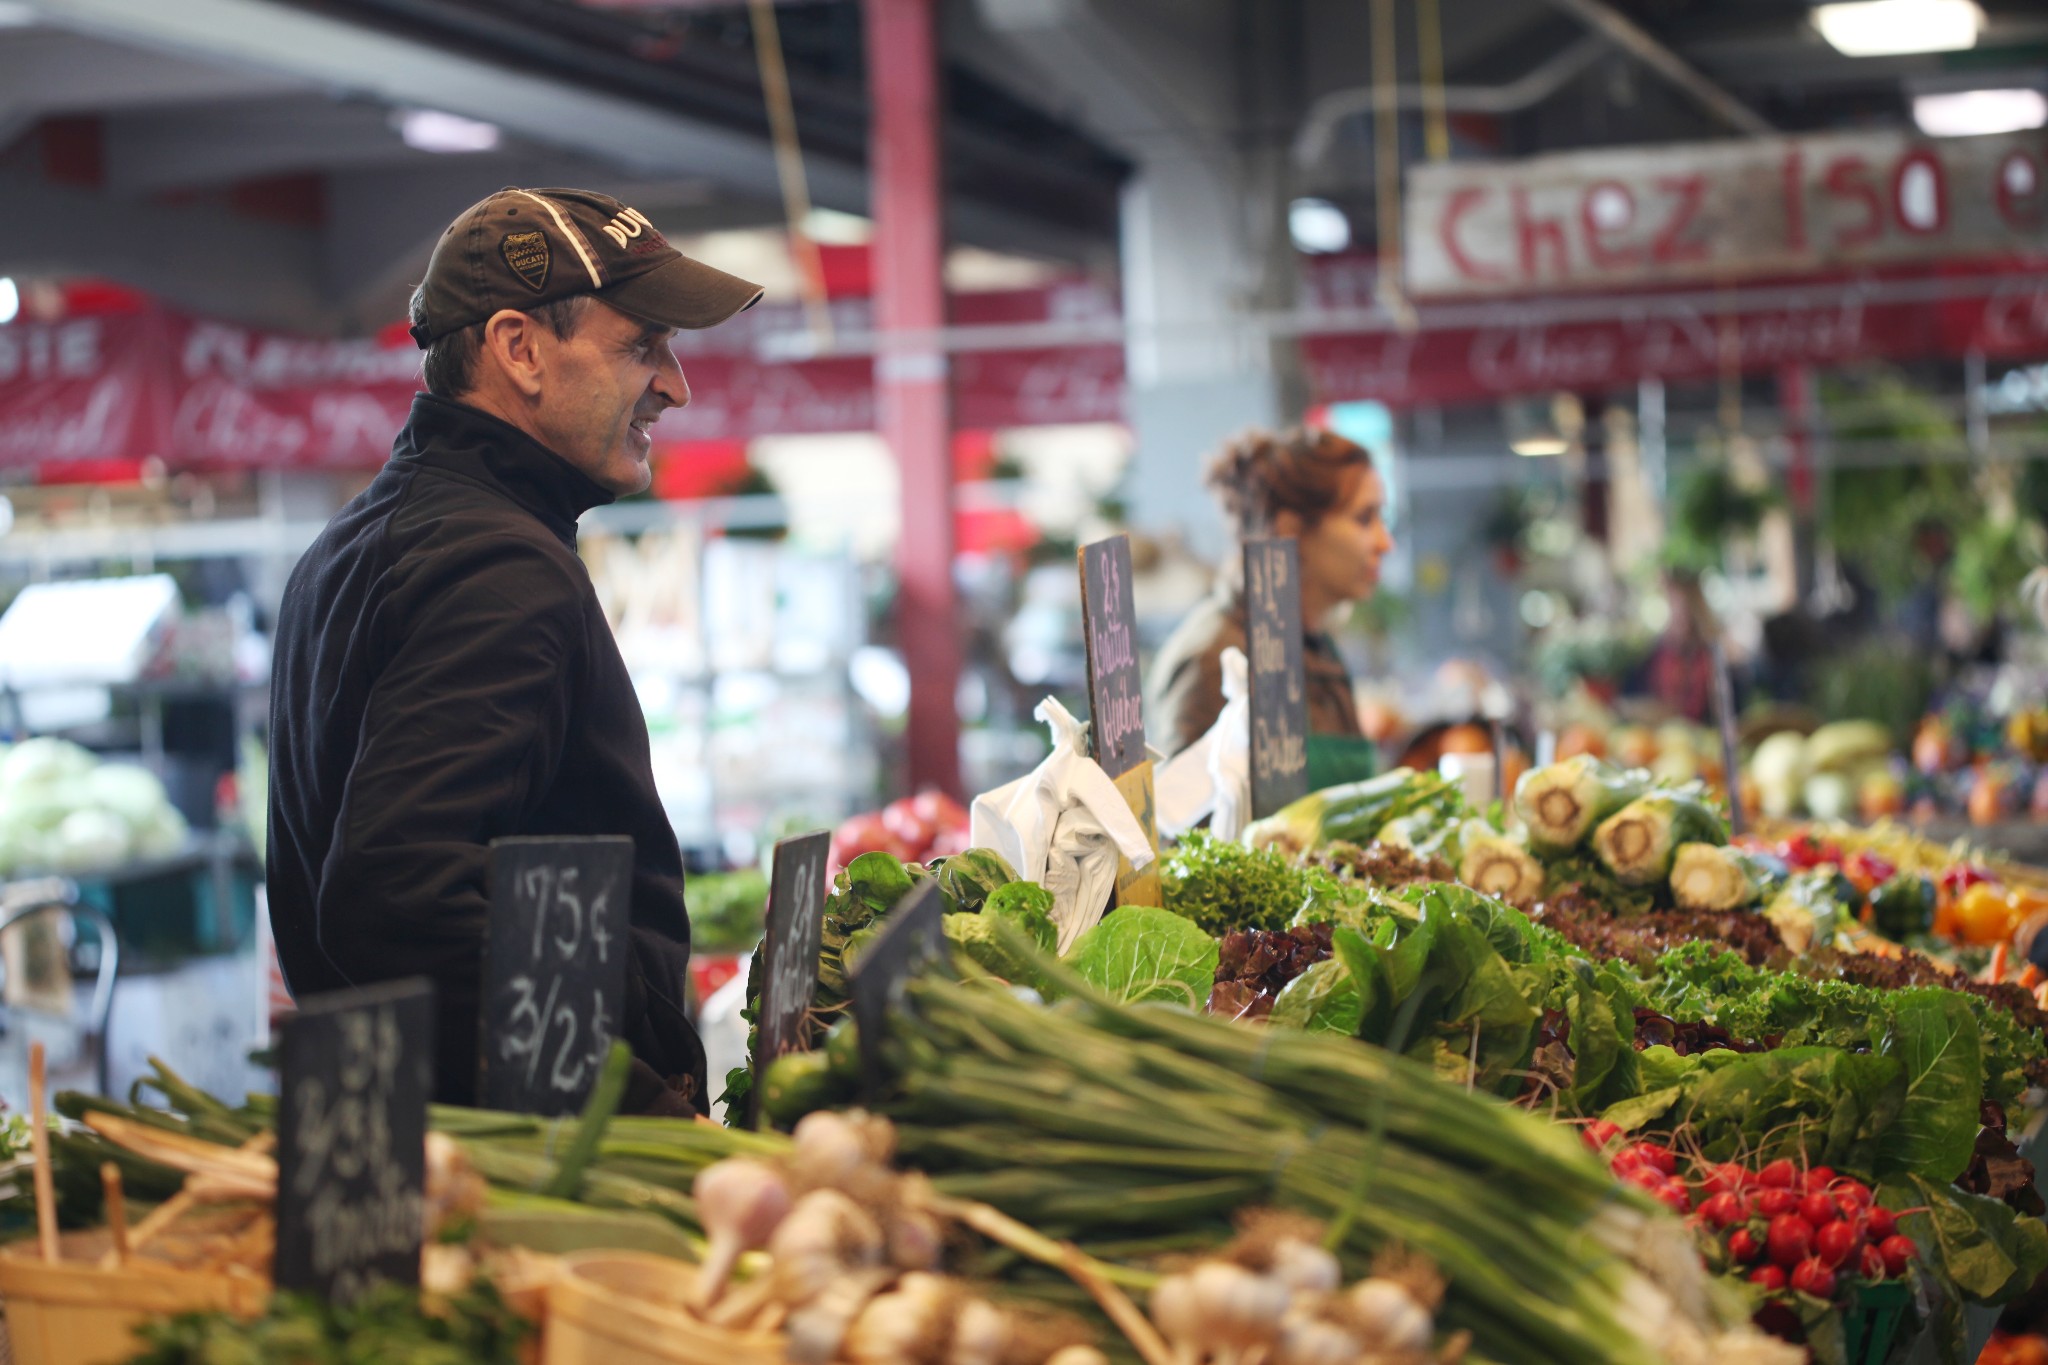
[{"x": 1323, "y": 491}]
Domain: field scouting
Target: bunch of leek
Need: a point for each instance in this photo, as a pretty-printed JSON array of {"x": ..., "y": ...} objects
[
  {"x": 1639, "y": 842},
  {"x": 1561, "y": 804},
  {"x": 1499, "y": 865},
  {"x": 1715, "y": 877},
  {"x": 1355, "y": 812}
]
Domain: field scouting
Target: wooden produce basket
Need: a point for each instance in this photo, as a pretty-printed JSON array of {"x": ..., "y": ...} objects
[
  {"x": 74, "y": 1312},
  {"x": 630, "y": 1308}
]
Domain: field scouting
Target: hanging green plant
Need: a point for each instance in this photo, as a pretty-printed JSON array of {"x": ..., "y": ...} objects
[
  {"x": 1709, "y": 508},
  {"x": 1994, "y": 555}
]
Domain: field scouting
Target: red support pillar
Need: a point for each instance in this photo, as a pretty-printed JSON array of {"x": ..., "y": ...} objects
[{"x": 910, "y": 368}]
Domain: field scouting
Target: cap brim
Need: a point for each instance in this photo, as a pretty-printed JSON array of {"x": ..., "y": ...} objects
[{"x": 683, "y": 293}]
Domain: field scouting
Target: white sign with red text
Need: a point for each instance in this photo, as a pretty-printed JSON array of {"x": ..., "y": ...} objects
[{"x": 1721, "y": 210}]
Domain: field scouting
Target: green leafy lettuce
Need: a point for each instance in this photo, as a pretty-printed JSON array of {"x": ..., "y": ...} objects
[{"x": 1138, "y": 953}]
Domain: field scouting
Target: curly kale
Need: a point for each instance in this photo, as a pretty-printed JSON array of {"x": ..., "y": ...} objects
[{"x": 1223, "y": 886}]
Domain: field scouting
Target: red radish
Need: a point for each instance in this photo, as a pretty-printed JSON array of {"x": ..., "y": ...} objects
[
  {"x": 939, "y": 810},
  {"x": 1819, "y": 1178},
  {"x": 1812, "y": 1277},
  {"x": 1725, "y": 1178},
  {"x": 1779, "y": 1175},
  {"x": 1836, "y": 1242},
  {"x": 1744, "y": 1247},
  {"x": 1645, "y": 1178},
  {"x": 1790, "y": 1239},
  {"x": 1673, "y": 1195},
  {"x": 1770, "y": 1277},
  {"x": 1819, "y": 1209},
  {"x": 1772, "y": 1202},
  {"x": 1723, "y": 1210},
  {"x": 1870, "y": 1262},
  {"x": 905, "y": 823},
  {"x": 1851, "y": 1194},
  {"x": 1599, "y": 1134},
  {"x": 1882, "y": 1223},
  {"x": 867, "y": 834},
  {"x": 1650, "y": 1154},
  {"x": 1898, "y": 1252}
]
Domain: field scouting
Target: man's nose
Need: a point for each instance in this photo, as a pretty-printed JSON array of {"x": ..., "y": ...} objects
[{"x": 669, "y": 384}]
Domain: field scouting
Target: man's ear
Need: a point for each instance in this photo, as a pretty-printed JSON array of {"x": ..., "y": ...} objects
[{"x": 512, "y": 344}]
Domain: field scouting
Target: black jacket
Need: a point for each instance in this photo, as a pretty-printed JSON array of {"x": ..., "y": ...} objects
[{"x": 444, "y": 676}]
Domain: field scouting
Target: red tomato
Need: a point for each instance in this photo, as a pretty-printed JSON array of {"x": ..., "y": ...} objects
[
  {"x": 1772, "y": 1202},
  {"x": 1818, "y": 1208},
  {"x": 1897, "y": 1253},
  {"x": 1779, "y": 1175},
  {"x": 1812, "y": 1277},
  {"x": 1723, "y": 1210},
  {"x": 1790, "y": 1240},
  {"x": 1744, "y": 1247},
  {"x": 902, "y": 820},
  {"x": 1769, "y": 1277},
  {"x": 1836, "y": 1242}
]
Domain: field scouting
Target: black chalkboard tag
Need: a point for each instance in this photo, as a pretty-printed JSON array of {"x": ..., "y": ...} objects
[
  {"x": 554, "y": 969},
  {"x": 1731, "y": 753},
  {"x": 1279, "y": 679},
  {"x": 913, "y": 934},
  {"x": 356, "y": 1068},
  {"x": 1115, "y": 687},
  {"x": 789, "y": 951}
]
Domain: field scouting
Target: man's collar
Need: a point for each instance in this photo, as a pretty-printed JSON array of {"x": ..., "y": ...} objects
[{"x": 467, "y": 440}]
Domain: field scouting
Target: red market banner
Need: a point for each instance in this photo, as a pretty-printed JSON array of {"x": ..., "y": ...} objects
[
  {"x": 1897, "y": 315},
  {"x": 1720, "y": 210},
  {"x": 136, "y": 384}
]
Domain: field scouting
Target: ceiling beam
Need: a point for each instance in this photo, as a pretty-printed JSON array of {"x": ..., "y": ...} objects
[{"x": 147, "y": 153}]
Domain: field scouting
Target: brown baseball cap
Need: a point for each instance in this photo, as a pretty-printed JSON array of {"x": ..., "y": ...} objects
[{"x": 520, "y": 248}]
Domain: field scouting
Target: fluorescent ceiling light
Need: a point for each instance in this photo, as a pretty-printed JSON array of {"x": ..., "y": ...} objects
[
  {"x": 1966, "y": 113},
  {"x": 10, "y": 300},
  {"x": 430, "y": 130},
  {"x": 1318, "y": 227},
  {"x": 1534, "y": 446},
  {"x": 1888, "y": 28}
]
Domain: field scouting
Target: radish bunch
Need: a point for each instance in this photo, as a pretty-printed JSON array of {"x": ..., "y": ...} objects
[{"x": 1807, "y": 1230}]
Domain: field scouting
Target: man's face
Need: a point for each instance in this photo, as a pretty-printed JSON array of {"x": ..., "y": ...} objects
[{"x": 605, "y": 385}]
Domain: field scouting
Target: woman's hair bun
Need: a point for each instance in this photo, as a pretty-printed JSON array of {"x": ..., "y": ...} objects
[{"x": 1304, "y": 470}]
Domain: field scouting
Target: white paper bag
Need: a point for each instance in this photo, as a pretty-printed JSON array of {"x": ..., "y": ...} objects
[
  {"x": 1213, "y": 776},
  {"x": 1062, "y": 826}
]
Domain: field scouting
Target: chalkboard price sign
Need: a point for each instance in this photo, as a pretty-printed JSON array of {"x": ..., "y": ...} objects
[
  {"x": 1115, "y": 688},
  {"x": 913, "y": 934},
  {"x": 554, "y": 969},
  {"x": 356, "y": 1068},
  {"x": 1279, "y": 711},
  {"x": 789, "y": 951}
]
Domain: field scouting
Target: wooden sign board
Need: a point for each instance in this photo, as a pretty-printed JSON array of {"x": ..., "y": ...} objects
[
  {"x": 913, "y": 934},
  {"x": 1279, "y": 680},
  {"x": 356, "y": 1068},
  {"x": 554, "y": 969},
  {"x": 1116, "y": 689},
  {"x": 789, "y": 951}
]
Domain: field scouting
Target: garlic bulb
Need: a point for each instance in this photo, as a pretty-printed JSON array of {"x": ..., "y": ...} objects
[
  {"x": 1077, "y": 1355},
  {"x": 742, "y": 1203},
  {"x": 830, "y": 1148},
  {"x": 818, "y": 1329},
  {"x": 909, "y": 1323},
  {"x": 1386, "y": 1315},
  {"x": 1306, "y": 1268},
  {"x": 1237, "y": 1308},
  {"x": 1309, "y": 1341},
  {"x": 823, "y": 1237},
  {"x": 981, "y": 1333}
]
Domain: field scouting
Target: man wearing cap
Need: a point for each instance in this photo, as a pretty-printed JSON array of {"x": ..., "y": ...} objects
[{"x": 444, "y": 675}]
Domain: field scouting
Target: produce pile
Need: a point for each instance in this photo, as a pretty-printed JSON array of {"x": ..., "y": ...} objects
[
  {"x": 1735, "y": 1009},
  {"x": 63, "y": 810}
]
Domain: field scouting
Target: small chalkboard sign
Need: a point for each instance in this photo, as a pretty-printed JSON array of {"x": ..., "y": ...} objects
[
  {"x": 1115, "y": 688},
  {"x": 554, "y": 969},
  {"x": 912, "y": 935},
  {"x": 1731, "y": 754},
  {"x": 356, "y": 1068},
  {"x": 789, "y": 950},
  {"x": 1279, "y": 721}
]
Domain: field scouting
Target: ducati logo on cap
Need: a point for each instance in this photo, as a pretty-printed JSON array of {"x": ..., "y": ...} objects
[{"x": 527, "y": 254}]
